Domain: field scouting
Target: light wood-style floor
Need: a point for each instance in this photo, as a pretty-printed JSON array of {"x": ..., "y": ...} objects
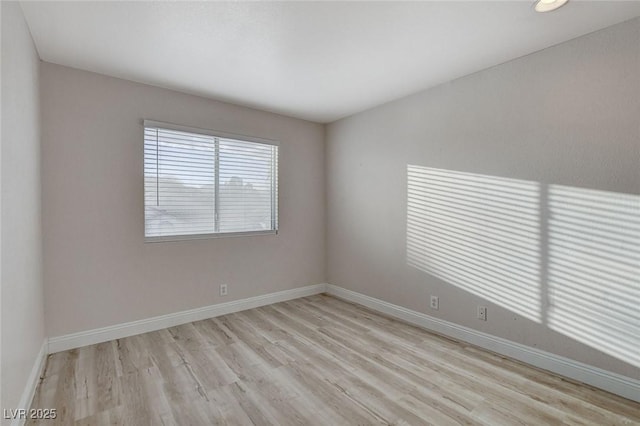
[{"x": 318, "y": 361}]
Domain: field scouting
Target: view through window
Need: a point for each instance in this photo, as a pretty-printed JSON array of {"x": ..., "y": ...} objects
[{"x": 199, "y": 184}]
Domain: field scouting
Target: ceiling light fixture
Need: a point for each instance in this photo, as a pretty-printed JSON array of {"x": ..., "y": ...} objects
[{"x": 548, "y": 5}]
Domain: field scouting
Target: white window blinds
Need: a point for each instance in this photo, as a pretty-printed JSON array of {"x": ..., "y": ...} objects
[{"x": 199, "y": 184}]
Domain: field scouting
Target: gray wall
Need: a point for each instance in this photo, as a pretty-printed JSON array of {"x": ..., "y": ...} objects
[
  {"x": 21, "y": 259},
  {"x": 98, "y": 270},
  {"x": 562, "y": 119}
]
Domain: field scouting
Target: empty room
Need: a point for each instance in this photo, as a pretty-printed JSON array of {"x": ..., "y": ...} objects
[{"x": 320, "y": 213}]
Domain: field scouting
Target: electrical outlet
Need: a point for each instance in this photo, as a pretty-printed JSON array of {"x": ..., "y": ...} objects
[
  {"x": 482, "y": 313},
  {"x": 435, "y": 302},
  {"x": 223, "y": 289}
]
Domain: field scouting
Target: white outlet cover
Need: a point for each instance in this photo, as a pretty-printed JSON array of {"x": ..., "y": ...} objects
[
  {"x": 482, "y": 313},
  {"x": 435, "y": 303}
]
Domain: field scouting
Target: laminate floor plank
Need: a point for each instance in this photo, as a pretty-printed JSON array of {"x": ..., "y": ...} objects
[{"x": 311, "y": 361}]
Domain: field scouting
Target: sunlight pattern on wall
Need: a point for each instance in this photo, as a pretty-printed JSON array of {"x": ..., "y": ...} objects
[
  {"x": 594, "y": 269},
  {"x": 480, "y": 233}
]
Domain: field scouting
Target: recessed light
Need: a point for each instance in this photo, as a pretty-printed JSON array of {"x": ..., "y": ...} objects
[{"x": 548, "y": 5}]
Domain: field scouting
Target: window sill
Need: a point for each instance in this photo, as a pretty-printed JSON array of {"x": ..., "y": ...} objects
[{"x": 169, "y": 238}]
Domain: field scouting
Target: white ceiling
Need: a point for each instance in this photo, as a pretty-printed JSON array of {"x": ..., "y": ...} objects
[{"x": 314, "y": 60}]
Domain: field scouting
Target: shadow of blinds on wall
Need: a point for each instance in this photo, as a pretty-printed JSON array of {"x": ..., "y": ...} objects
[
  {"x": 480, "y": 233},
  {"x": 594, "y": 269}
]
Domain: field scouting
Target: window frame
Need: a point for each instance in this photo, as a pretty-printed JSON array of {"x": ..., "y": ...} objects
[{"x": 222, "y": 135}]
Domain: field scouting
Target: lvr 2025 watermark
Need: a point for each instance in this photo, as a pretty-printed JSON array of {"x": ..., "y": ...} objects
[{"x": 34, "y": 413}]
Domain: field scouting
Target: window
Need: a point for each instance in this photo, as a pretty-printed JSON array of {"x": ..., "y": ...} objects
[{"x": 199, "y": 184}]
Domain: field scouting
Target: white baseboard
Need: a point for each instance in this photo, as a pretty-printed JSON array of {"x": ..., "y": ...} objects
[
  {"x": 32, "y": 382},
  {"x": 119, "y": 331},
  {"x": 602, "y": 379}
]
